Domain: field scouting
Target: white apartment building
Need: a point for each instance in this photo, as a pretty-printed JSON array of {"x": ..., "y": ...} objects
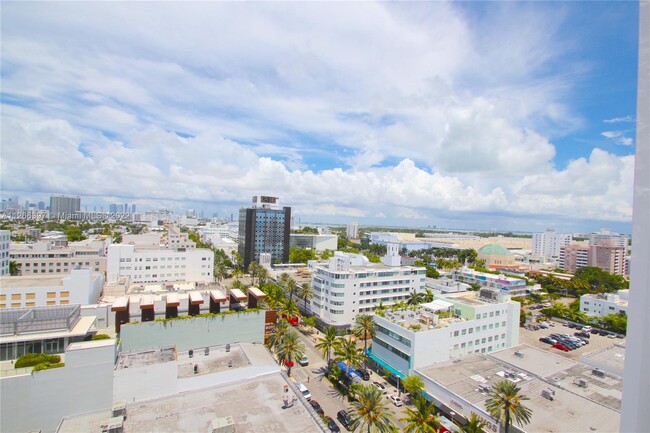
[
  {"x": 548, "y": 244},
  {"x": 5, "y": 241},
  {"x": 352, "y": 230},
  {"x": 46, "y": 258},
  {"x": 81, "y": 286},
  {"x": 605, "y": 304},
  {"x": 158, "y": 266},
  {"x": 348, "y": 284},
  {"x": 607, "y": 237},
  {"x": 450, "y": 327}
]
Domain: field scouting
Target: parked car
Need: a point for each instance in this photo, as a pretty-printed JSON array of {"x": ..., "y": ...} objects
[
  {"x": 571, "y": 325},
  {"x": 587, "y": 329},
  {"x": 344, "y": 419},
  {"x": 380, "y": 387},
  {"x": 548, "y": 340},
  {"x": 603, "y": 333},
  {"x": 558, "y": 346},
  {"x": 365, "y": 374},
  {"x": 319, "y": 410},
  {"x": 594, "y": 331},
  {"x": 582, "y": 334},
  {"x": 332, "y": 425},
  {"x": 544, "y": 325},
  {"x": 396, "y": 400},
  {"x": 304, "y": 361}
]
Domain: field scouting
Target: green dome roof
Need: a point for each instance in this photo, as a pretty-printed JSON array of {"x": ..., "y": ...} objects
[{"x": 494, "y": 249}]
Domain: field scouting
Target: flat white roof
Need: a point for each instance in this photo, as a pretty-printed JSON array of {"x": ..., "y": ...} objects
[
  {"x": 238, "y": 294},
  {"x": 120, "y": 304},
  {"x": 146, "y": 302},
  {"x": 256, "y": 292},
  {"x": 172, "y": 300},
  {"x": 196, "y": 298},
  {"x": 218, "y": 296}
]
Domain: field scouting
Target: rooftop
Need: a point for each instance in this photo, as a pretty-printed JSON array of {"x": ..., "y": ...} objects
[
  {"x": 594, "y": 406},
  {"x": 255, "y": 405},
  {"x": 433, "y": 315},
  {"x": 494, "y": 249}
]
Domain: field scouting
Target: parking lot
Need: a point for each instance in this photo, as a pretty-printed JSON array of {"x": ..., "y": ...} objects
[{"x": 596, "y": 342}]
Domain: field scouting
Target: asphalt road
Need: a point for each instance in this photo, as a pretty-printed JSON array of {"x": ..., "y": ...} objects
[{"x": 324, "y": 393}]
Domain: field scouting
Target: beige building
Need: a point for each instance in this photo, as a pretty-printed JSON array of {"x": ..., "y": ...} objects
[
  {"x": 44, "y": 258},
  {"x": 496, "y": 256}
]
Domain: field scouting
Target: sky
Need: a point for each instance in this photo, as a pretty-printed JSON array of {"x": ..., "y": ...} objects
[{"x": 478, "y": 115}]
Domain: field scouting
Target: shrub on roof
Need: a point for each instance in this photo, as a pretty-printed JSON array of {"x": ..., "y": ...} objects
[
  {"x": 47, "y": 366},
  {"x": 101, "y": 337},
  {"x": 32, "y": 359}
]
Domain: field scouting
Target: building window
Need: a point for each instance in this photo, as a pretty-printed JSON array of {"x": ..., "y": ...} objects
[
  {"x": 16, "y": 297},
  {"x": 65, "y": 294},
  {"x": 31, "y": 296},
  {"x": 51, "y": 295},
  {"x": 30, "y": 304},
  {"x": 51, "y": 302}
]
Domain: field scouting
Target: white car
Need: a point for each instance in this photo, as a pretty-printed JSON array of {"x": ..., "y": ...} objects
[
  {"x": 380, "y": 387},
  {"x": 396, "y": 400}
]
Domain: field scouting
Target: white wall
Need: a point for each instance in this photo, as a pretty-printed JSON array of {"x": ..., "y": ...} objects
[
  {"x": 39, "y": 400},
  {"x": 167, "y": 265},
  {"x": 191, "y": 333}
]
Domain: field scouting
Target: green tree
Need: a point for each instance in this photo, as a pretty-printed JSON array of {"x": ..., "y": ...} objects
[
  {"x": 505, "y": 404},
  {"x": 414, "y": 298},
  {"x": 369, "y": 411},
  {"x": 474, "y": 425},
  {"x": 280, "y": 328},
  {"x": 346, "y": 350},
  {"x": 254, "y": 270},
  {"x": 301, "y": 255},
  {"x": 274, "y": 295},
  {"x": 290, "y": 308},
  {"x": 364, "y": 327},
  {"x": 290, "y": 349},
  {"x": 422, "y": 418},
  {"x": 328, "y": 342},
  {"x": 309, "y": 321},
  {"x": 427, "y": 296},
  {"x": 413, "y": 384},
  {"x": 326, "y": 254},
  {"x": 432, "y": 272},
  {"x": 380, "y": 310},
  {"x": 306, "y": 294},
  {"x": 14, "y": 268}
]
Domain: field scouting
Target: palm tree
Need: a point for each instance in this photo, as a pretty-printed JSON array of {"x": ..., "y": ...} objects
[
  {"x": 220, "y": 270},
  {"x": 347, "y": 351},
  {"x": 364, "y": 327},
  {"x": 380, "y": 310},
  {"x": 427, "y": 296},
  {"x": 369, "y": 411},
  {"x": 474, "y": 425},
  {"x": 414, "y": 298},
  {"x": 290, "y": 349},
  {"x": 504, "y": 403},
  {"x": 280, "y": 328},
  {"x": 306, "y": 294},
  {"x": 328, "y": 341},
  {"x": 262, "y": 275},
  {"x": 253, "y": 270},
  {"x": 274, "y": 295},
  {"x": 421, "y": 419},
  {"x": 291, "y": 287},
  {"x": 289, "y": 308}
]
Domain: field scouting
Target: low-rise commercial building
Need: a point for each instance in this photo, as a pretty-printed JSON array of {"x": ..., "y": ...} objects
[
  {"x": 348, "y": 284},
  {"x": 42, "y": 329},
  {"x": 44, "y": 257},
  {"x": 563, "y": 395},
  {"x": 81, "y": 286},
  {"x": 450, "y": 327},
  {"x": 605, "y": 303},
  {"x": 502, "y": 283}
]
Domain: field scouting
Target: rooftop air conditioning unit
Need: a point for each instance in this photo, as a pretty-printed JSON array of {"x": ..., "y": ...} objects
[{"x": 548, "y": 393}]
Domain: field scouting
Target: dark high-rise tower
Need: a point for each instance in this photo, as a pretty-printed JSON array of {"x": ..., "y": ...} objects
[{"x": 264, "y": 228}]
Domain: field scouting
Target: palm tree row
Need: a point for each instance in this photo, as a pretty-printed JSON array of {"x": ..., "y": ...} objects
[{"x": 286, "y": 344}]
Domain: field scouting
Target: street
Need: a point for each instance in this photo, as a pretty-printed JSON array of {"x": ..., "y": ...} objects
[{"x": 324, "y": 393}]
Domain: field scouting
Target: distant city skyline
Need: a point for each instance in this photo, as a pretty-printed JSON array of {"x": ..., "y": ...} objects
[{"x": 480, "y": 115}]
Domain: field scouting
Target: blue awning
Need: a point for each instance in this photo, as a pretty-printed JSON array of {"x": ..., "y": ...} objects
[{"x": 384, "y": 364}]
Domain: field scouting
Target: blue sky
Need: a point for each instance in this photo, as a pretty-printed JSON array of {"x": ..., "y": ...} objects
[{"x": 506, "y": 115}]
